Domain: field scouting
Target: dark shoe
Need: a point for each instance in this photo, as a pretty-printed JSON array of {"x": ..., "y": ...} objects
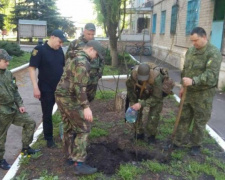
[
  {"x": 70, "y": 162},
  {"x": 4, "y": 165},
  {"x": 29, "y": 151},
  {"x": 51, "y": 144},
  {"x": 84, "y": 169},
  {"x": 151, "y": 140},
  {"x": 139, "y": 136},
  {"x": 195, "y": 150}
]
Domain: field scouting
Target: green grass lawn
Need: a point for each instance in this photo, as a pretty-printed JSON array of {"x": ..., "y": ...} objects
[{"x": 19, "y": 61}]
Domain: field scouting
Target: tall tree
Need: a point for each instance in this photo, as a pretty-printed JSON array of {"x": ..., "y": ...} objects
[
  {"x": 1, "y": 16},
  {"x": 112, "y": 13}
]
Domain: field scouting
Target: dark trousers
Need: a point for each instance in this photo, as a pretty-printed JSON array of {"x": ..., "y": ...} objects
[{"x": 47, "y": 102}]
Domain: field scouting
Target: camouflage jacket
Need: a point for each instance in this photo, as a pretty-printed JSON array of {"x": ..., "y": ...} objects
[
  {"x": 10, "y": 98},
  {"x": 97, "y": 65},
  {"x": 152, "y": 93},
  {"x": 73, "y": 83},
  {"x": 203, "y": 67}
]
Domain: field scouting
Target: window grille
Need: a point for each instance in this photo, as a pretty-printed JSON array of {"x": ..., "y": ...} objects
[
  {"x": 192, "y": 15},
  {"x": 163, "y": 22},
  {"x": 154, "y": 23},
  {"x": 173, "y": 24}
]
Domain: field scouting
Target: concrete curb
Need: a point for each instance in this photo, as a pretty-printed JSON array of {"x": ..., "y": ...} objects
[{"x": 12, "y": 171}]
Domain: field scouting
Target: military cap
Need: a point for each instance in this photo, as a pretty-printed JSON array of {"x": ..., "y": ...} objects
[
  {"x": 97, "y": 47},
  {"x": 4, "y": 55},
  {"x": 58, "y": 33},
  {"x": 90, "y": 26},
  {"x": 143, "y": 72}
]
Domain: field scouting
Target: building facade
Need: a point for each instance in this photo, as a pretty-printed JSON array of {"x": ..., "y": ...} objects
[{"x": 172, "y": 22}]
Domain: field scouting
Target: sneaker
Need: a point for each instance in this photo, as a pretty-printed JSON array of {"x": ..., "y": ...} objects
[
  {"x": 195, "y": 150},
  {"x": 70, "y": 162},
  {"x": 4, "y": 165},
  {"x": 84, "y": 169},
  {"x": 151, "y": 140},
  {"x": 29, "y": 151},
  {"x": 51, "y": 144},
  {"x": 139, "y": 136}
]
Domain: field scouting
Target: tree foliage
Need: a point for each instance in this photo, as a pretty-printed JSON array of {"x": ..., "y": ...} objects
[
  {"x": 45, "y": 10},
  {"x": 111, "y": 13}
]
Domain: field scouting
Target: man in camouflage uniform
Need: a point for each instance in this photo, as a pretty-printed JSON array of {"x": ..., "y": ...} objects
[
  {"x": 97, "y": 65},
  {"x": 200, "y": 75},
  {"x": 146, "y": 87},
  {"x": 12, "y": 111},
  {"x": 72, "y": 99}
]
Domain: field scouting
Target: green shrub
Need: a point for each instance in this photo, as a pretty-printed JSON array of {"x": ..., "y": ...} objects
[{"x": 12, "y": 48}]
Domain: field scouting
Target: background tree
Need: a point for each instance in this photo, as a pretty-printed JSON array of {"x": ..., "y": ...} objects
[
  {"x": 112, "y": 14},
  {"x": 1, "y": 16}
]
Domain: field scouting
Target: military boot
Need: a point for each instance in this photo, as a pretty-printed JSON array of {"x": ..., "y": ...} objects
[
  {"x": 151, "y": 140},
  {"x": 195, "y": 150},
  {"x": 4, "y": 165},
  {"x": 70, "y": 162},
  {"x": 82, "y": 169},
  {"x": 51, "y": 144},
  {"x": 29, "y": 151}
]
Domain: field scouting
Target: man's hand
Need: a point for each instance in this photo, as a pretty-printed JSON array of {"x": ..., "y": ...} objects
[
  {"x": 136, "y": 106},
  {"x": 37, "y": 93},
  {"x": 187, "y": 81},
  {"x": 88, "y": 114},
  {"x": 22, "y": 110}
]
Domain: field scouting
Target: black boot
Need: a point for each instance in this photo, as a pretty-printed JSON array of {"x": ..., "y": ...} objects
[
  {"x": 4, "y": 165},
  {"x": 51, "y": 144},
  {"x": 195, "y": 150},
  {"x": 81, "y": 169},
  {"x": 151, "y": 140},
  {"x": 29, "y": 151},
  {"x": 70, "y": 162},
  {"x": 139, "y": 136}
]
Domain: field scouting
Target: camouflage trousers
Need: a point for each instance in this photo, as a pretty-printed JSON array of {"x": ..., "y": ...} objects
[
  {"x": 17, "y": 119},
  {"x": 152, "y": 116},
  {"x": 91, "y": 91},
  {"x": 196, "y": 111},
  {"x": 92, "y": 85},
  {"x": 75, "y": 131}
]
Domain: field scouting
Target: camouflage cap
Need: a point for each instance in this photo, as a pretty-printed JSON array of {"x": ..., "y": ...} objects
[
  {"x": 90, "y": 26},
  {"x": 143, "y": 72},
  {"x": 4, "y": 55},
  {"x": 97, "y": 47}
]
